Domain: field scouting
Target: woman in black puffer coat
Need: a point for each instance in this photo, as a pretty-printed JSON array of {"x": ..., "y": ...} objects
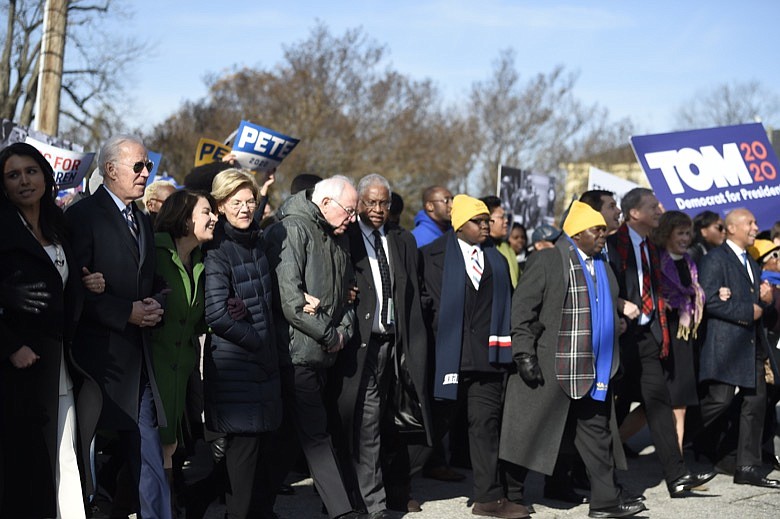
[{"x": 241, "y": 366}]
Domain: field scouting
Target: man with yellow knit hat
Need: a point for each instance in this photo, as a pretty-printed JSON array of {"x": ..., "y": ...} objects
[
  {"x": 467, "y": 296},
  {"x": 564, "y": 372}
]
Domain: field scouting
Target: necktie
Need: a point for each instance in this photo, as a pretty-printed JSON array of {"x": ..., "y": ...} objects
[
  {"x": 131, "y": 224},
  {"x": 747, "y": 265},
  {"x": 647, "y": 299},
  {"x": 384, "y": 274},
  {"x": 592, "y": 271},
  {"x": 475, "y": 269}
]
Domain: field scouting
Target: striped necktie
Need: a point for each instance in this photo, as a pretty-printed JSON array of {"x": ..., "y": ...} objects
[
  {"x": 647, "y": 298},
  {"x": 131, "y": 223},
  {"x": 475, "y": 269}
]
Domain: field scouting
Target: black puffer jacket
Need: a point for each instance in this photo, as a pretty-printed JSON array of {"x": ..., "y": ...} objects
[{"x": 241, "y": 366}]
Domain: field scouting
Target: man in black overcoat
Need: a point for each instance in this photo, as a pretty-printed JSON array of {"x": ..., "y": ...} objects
[
  {"x": 112, "y": 236},
  {"x": 735, "y": 349},
  {"x": 387, "y": 356}
]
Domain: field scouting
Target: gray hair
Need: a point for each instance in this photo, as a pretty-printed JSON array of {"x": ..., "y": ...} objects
[
  {"x": 331, "y": 188},
  {"x": 633, "y": 199},
  {"x": 373, "y": 179},
  {"x": 112, "y": 149}
]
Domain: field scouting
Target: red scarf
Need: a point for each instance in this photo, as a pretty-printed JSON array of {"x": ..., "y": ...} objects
[{"x": 625, "y": 245}]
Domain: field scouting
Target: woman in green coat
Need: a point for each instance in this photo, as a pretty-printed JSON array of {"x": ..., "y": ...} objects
[{"x": 185, "y": 221}]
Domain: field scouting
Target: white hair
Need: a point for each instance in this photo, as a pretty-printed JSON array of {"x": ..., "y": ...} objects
[
  {"x": 332, "y": 188},
  {"x": 373, "y": 179},
  {"x": 112, "y": 149}
]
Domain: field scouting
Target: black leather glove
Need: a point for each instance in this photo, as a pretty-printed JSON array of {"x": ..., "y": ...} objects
[
  {"x": 529, "y": 370},
  {"x": 27, "y": 297},
  {"x": 236, "y": 308}
]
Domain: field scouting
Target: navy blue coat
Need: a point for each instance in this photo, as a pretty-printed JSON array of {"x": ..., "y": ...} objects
[
  {"x": 729, "y": 350},
  {"x": 242, "y": 390}
]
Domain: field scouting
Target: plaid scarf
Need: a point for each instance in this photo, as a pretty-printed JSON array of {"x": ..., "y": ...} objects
[
  {"x": 688, "y": 301},
  {"x": 624, "y": 246},
  {"x": 583, "y": 361}
]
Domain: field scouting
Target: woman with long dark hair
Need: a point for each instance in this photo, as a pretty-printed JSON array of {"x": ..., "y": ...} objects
[{"x": 49, "y": 405}]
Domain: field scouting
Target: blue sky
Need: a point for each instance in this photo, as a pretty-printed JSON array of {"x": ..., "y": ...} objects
[{"x": 638, "y": 59}]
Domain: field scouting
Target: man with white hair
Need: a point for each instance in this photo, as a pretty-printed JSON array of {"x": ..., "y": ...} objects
[
  {"x": 308, "y": 254},
  {"x": 112, "y": 236}
]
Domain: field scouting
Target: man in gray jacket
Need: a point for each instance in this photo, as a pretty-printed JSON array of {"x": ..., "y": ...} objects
[{"x": 308, "y": 254}]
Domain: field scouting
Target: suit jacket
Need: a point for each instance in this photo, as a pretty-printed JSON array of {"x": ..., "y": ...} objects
[
  {"x": 535, "y": 417},
  {"x": 113, "y": 351},
  {"x": 411, "y": 349},
  {"x": 477, "y": 306},
  {"x": 628, "y": 281},
  {"x": 729, "y": 350}
]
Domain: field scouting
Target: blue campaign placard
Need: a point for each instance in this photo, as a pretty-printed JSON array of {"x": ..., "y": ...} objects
[
  {"x": 260, "y": 148},
  {"x": 156, "y": 158},
  {"x": 716, "y": 169}
]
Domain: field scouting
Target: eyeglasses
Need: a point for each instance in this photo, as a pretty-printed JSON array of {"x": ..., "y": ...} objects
[
  {"x": 139, "y": 166},
  {"x": 351, "y": 212},
  {"x": 480, "y": 222},
  {"x": 236, "y": 205},
  {"x": 720, "y": 227},
  {"x": 774, "y": 255},
  {"x": 446, "y": 200},
  {"x": 373, "y": 204}
]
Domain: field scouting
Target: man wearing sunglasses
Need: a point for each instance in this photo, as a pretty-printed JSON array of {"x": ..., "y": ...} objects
[{"x": 112, "y": 236}]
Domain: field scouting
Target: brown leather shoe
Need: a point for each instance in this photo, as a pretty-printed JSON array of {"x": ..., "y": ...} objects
[
  {"x": 443, "y": 473},
  {"x": 502, "y": 508}
]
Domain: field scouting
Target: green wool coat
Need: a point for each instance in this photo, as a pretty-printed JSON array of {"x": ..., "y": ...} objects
[{"x": 175, "y": 341}]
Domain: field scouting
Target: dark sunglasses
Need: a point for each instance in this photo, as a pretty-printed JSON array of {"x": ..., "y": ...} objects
[
  {"x": 719, "y": 227},
  {"x": 140, "y": 165},
  {"x": 479, "y": 222},
  {"x": 772, "y": 255}
]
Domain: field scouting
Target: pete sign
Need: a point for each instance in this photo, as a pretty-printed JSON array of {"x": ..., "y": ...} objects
[
  {"x": 259, "y": 148},
  {"x": 718, "y": 169}
]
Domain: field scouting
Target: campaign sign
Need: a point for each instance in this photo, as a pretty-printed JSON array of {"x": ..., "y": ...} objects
[
  {"x": 718, "y": 169},
  {"x": 155, "y": 158},
  {"x": 209, "y": 151},
  {"x": 69, "y": 166},
  {"x": 259, "y": 148}
]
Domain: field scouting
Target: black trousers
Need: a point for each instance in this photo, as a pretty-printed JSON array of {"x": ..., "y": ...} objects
[
  {"x": 641, "y": 362},
  {"x": 483, "y": 393},
  {"x": 242, "y": 452},
  {"x": 751, "y": 417},
  {"x": 593, "y": 441},
  {"x": 305, "y": 415}
]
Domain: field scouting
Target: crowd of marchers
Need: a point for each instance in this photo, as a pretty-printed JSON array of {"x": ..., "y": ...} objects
[{"x": 323, "y": 337}]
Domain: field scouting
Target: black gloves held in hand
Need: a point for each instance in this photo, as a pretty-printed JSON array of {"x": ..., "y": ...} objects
[
  {"x": 27, "y": 297},
  {"x": 236, "y": 308},
  {"x": 529, "y": 370}
]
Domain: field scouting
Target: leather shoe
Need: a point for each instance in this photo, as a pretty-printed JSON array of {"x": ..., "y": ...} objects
[
  {"x": 567, "y": 495},
  {"x": 680, "y": 486},
  {"x": 443, "y": 473},
  {"x": 750, "y": 475},
  {"x": 502, "y": 508},
  {"x": 285, "y": 490},
  {"x": 621, "y": 510},
  {"x": 629, "y": 498}
]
